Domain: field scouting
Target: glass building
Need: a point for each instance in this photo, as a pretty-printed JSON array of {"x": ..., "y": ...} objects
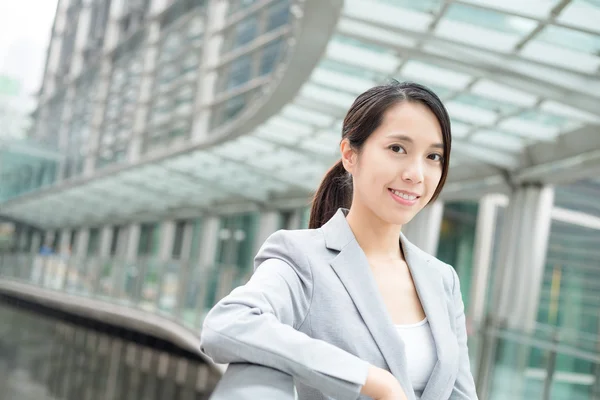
[{"x": 188, "y": 131}]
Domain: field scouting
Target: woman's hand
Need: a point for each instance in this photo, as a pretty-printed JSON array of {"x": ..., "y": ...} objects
[{"x": 382, "y": 385}]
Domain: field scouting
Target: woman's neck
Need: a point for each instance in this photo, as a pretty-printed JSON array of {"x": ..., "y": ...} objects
[{"x": 378, "y": 239}]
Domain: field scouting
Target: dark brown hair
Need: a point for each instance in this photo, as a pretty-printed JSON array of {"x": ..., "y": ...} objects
[{"x": 363, "y": 118}]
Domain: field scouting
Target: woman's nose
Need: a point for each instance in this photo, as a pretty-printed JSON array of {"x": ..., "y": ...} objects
[{"x": 413, "y": 172}]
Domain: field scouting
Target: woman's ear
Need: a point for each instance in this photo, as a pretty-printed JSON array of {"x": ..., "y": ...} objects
[{"x": 349, "y": 156}]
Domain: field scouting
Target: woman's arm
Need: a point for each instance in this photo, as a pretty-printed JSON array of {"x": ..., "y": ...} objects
[
  {"x": 258, "y": 323},
  {"x": 251, "y": 382},
  {"x": 464, "y": 387}
]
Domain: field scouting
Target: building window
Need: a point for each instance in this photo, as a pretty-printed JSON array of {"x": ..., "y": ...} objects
[
  {"x": 270, "y": 57},
  {"x": 240, "y": 72},
  {"x": 278, "y": 15},
  {"x": 178, "y": 239},
  {"x": 457, "y": 241},
  {"x": 116, "y": 232},
  {"x": 245, "y": 32},
  {"x": 147, "y": 244},
  {"x": 93, "y": 242}
]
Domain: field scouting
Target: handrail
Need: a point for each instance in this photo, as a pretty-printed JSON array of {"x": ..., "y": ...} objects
[{"x": 123, "y": 316}]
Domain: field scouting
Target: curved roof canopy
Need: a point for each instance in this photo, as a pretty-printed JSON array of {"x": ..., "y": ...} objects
[{"x": 521, "y": 81}]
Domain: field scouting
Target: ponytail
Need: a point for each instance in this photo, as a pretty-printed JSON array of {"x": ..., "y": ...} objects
[{"x": 334, "y": 192}]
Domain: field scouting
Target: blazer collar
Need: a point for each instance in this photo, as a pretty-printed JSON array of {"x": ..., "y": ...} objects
[
  {"x": 337, "y": 231},
  {"x": 352, "y": 267}
]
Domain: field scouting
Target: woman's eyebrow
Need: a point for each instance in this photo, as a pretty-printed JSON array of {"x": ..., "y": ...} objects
[{"x": 408, "y": 139}]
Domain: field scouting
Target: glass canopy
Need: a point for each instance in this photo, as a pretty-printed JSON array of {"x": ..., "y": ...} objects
[{"x": 514, "y": 75}]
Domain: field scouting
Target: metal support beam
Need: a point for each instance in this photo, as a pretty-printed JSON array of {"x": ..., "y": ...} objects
[
  {"x": 106, "y": 238},
  {"x": 207, "y": 77},
  {"x": 209, "y": 241},
  {"x": 269, "y": 223},
  {"x": 485, "y": 230},
  {"x": 82, "y": 239},
  {"x": 498, "y": 71},
  {"x": 517, "y": 279},
  {"x": 213, "y": 185}
]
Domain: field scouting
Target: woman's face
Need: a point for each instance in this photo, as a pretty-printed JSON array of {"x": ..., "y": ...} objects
[{"x": 400, "y": 165}]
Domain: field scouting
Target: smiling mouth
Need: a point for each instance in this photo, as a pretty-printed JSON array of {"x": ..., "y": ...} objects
[{"x": 405, "y": 196}]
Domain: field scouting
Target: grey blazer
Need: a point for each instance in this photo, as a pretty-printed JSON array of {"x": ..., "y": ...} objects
[{"x": 312, "y": 312}]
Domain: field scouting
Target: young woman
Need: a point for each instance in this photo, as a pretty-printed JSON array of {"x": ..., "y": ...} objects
[{"x": 350, "y": 309}]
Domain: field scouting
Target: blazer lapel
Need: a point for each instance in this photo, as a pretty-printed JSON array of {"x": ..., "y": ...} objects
[
  {"x": 352, "y": 267},
  {"x": 430, "y": 290}
]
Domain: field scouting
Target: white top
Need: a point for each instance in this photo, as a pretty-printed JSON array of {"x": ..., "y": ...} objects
[{"x": 421, "y": 354}]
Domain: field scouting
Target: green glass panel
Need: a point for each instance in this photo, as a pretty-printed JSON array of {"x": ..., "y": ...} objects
[
  {"x": 21, "y": 172},
  {"x": 489, "y": 19},
  {"x": 93, "y": 242},
  {"x": 457, "y": 240},
  {"x": 569, "y": 295},
  {"x": 572, "y": 39}
]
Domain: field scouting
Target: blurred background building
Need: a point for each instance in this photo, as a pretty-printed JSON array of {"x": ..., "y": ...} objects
[{"x": 172, "y": 137}]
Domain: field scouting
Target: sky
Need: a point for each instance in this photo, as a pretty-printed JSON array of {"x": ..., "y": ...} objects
[{"x": 25, "y": 27}]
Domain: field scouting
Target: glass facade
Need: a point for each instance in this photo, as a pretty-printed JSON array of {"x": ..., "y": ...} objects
[
  {"x": 559, "y": 356},
  {"x": 117, "y": 125},
  {"x": 78, "y": 136},
  {"x": 236, "y": 241},
  {"x": 175, "y": 85},
  {"x": 69, "y": 37},
  {"x": 49, "y": 122},
  {"x": 253, "y": 45},
  {"x": 234, "y": 255},
  {"x": 25, "y": 167},
  {"x": 195, "y": 241},
  {"x": 457, "y": 241},
  {"x": 93, "y": 242},
  {"x": 97, "y": 31},
  {"x": 149, "y": 239}
]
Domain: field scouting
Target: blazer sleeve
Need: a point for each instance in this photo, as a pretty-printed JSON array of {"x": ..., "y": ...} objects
[
  {"x": 464, "y": 386},
  {"x": 258, "y": 323},
  {"x": 251, "y": 382}
]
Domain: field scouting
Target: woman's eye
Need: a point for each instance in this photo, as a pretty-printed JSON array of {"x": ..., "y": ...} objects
[
  {"x": 436, "y": 157},
  {"x": 397, "y": 148}
]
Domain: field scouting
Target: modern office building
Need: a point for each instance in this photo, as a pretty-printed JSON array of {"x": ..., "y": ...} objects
[{"x": 178, "y": 134}]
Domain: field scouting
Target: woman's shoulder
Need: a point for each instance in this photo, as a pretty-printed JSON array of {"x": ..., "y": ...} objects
[
  {"x": 438, "y": 267},
  {"x": 447, "y": 272},
  {"x": 295, "y": 238},
  {"x": 291, "y": 246}
]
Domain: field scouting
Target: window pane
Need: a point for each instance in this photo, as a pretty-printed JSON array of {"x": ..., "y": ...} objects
[
  {"x": 245, "y": 31},
  {"x": 278, "y": 14},
  {"x": 270, "y": 56}
]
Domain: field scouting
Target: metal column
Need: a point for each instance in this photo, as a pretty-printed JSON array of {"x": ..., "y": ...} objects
[
  {"x": 167, "y": 237},
  {"x": 81, "y": 243},
  {"x": 482, "y": 258},
  {"x": 207, "y": 78},
  {"x": 209, "y": 240},
  {"x": 518, "y": 277},
  {"x": 269, "y": 223}
]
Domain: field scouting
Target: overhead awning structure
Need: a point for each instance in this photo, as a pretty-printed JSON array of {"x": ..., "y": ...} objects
[{"x": 521, "y": 81}]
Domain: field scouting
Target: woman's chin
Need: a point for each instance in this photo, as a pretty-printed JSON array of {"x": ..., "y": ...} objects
[{"x": 398, "y": 217}]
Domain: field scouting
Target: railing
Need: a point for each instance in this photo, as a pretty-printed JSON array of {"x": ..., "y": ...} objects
[
  {"x": 179, "y": 289},
  {"x": 545, "y": 363}
]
